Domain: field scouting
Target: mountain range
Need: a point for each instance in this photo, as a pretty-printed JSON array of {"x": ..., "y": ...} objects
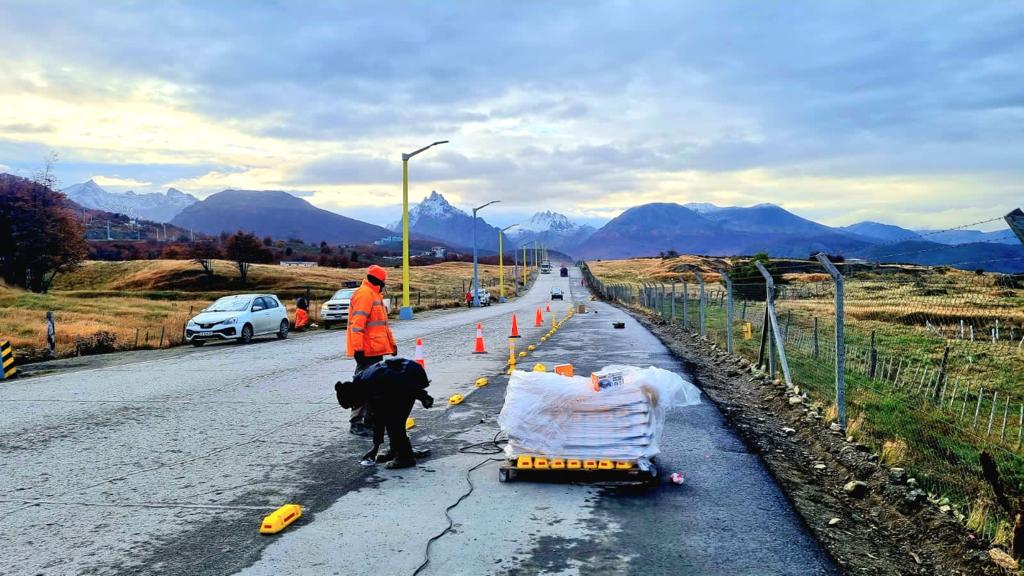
[
  {"x": 154, "y": 206},
  {"x": 713, "y": 230},
  {"x": 645, "y": 230},
  {"x": 276, "y": 214}
]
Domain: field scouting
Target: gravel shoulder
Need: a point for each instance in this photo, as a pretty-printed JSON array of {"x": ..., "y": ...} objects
[{"x": 887, "y": 530}]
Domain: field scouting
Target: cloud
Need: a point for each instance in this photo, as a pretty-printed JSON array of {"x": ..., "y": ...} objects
[
  {"x": 587, "y": 107},
  {"x": 117, "y": 182}
]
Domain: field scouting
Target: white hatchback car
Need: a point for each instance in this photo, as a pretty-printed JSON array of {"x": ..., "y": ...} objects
[{"x": 241, "y": 317}]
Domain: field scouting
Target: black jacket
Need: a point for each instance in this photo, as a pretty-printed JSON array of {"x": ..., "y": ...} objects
[{"x": 389, "y": 379}]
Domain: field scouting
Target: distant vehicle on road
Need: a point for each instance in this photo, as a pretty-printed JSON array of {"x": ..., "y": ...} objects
[
  {"x": 484, "y": 296},
  {"x": 241, "y": 317},
  {"x": 335, "y": 310},
  {"x": 545, "y": 267},
  {"x": 564, "y": 272},
  {"x": 557, "y": 294}
]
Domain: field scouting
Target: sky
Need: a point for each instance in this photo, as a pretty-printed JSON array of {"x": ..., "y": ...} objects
[{"x": 910, "y": 113}]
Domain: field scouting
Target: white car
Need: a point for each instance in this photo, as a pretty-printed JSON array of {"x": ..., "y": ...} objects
[
  {"x": 335, "y": 310},
  {"x": 241, "y": 317},
  {"x": 484, "y": 296}
]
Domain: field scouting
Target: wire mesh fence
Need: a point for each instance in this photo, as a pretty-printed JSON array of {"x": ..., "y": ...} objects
[{"x": 933, "y": 362}]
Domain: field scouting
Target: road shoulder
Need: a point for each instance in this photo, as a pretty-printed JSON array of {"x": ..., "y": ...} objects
[{"x": 880, "y": 533}]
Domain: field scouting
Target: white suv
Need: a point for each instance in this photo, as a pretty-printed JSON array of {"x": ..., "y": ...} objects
[
  {"x": 335, "y": 310},
  {"x": 241, "y": 317}
]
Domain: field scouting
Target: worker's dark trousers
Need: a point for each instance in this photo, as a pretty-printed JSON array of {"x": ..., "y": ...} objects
[
  {"x": 363, "y": 416},
  {"x": 390, "y": 415}
]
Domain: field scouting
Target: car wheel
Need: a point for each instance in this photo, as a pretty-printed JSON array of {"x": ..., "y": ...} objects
[
  {"x": 246, "y": 334},
  {"x": 327, "y": 325},
  {"x": 198, "y": 343},
  {"x": 282, "y": 332}
]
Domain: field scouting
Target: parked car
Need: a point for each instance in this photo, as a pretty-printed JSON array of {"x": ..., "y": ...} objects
[
  {"x": 240, "y": 317},
  {"x": 335, "y": 310},
  {"x": 484, "y": 296},
  {"x": 557, "y": 294}
]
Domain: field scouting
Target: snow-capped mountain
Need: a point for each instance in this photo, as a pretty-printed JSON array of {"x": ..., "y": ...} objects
[
  {"x": 555, "y": 230},
  {"x": 702, "y": 207},
  {"x": 436, "y": 218},
  {"x": 154, "y": 206}
]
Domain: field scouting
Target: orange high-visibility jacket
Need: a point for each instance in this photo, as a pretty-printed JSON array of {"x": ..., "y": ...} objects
[
  {"x": 301, "y": 318},
  {"x": 368, "y": 323}
]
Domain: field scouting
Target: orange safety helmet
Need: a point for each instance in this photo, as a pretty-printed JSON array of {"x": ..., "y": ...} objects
[{"x": 377, "y": 272}]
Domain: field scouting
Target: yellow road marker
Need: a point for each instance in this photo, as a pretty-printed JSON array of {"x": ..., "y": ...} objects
[{"x": 280, "y": 519}]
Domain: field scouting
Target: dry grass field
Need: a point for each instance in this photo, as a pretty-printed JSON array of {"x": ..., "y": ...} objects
[
  {"x": 933, "y": 426},
  {"x": 136, "y": 301}
]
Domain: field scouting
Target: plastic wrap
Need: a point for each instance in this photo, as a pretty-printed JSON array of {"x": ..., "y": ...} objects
[{"x": 564, "y": 417}]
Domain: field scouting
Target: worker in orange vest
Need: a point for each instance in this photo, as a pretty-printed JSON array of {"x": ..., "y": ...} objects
[
  {"x": 368, "y": 338},
  {"x": 301, "y": 314}
]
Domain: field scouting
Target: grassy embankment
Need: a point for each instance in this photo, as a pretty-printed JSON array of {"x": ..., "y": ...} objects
[
  {"x": 905, "y": 412},
  {"x": 136, "y": 300}
]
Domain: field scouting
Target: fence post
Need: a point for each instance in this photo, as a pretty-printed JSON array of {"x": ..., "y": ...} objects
[
  {"x": 873, "y": 358},
  {"x": 702, "y": 303},
  {"x": 686, "y": 304},
  {"x": 942, "y": 370},
  {"x": 840, "y": 339},
  {"x": 729, "y": 311},
  {"x": 779, "y": 342},
  {"x": 51, "y": 335},
  {"x": 673, "y": 305},
  {"x": 661, "y": 301},
  {"x": 817, "y": 350}
]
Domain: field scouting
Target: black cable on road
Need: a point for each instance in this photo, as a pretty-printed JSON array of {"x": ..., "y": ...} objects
[{"x": 451, "y": 522}]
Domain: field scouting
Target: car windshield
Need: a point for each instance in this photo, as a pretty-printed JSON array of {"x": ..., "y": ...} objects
[
  {"x": 345, "y": 294},
  {"x": 230, "y": 304}
]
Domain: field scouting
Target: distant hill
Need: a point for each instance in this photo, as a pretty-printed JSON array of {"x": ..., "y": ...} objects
[
  {"x": 434, "y": 217},
  {"x": 652, "y": 228},
  {"x": 952, "y": 237},
  {"x": 156, "y": 207},
  {"x": 988, "y": 256},
  {"x": 881, "y": 232},
  {"x": 276, "y": 214}
]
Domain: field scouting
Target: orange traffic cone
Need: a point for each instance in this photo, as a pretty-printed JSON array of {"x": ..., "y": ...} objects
[
  {"x": 547, "y": 308},
  {"x": 515, "y": 327},
  {"x": 479, "y": 340},
  {"x": 419, "y": 354},
  {"x": 539, "y": 321}
]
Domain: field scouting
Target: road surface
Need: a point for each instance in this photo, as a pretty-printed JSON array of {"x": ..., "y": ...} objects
[{"x": 166, "y": 465}]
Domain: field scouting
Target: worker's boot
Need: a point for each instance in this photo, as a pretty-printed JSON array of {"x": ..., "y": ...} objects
[
  {"x": 399, "y": 463},
  {"x": 389, "y": 455}
]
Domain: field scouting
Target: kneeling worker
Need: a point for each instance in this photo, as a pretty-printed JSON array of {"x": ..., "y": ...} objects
[
  {"x": 368, "y": 338},
  {"x": 301, "y": 314}
]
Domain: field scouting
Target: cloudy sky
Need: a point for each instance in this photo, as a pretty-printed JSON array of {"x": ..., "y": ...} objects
[{"x": 906, "y": 112}]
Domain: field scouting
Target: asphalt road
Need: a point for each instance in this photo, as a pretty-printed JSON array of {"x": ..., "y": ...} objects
[{"x": 166, "y": 464}]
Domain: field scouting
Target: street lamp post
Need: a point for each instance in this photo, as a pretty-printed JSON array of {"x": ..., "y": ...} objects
[
  {"x": 405, "y": 313},
  {"x": 501, "y": 263},
  {"x": 476, "y": 276}
]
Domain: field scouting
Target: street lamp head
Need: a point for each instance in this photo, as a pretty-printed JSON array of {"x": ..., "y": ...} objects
[
  {"x": 439, "y": 142},
  {"x": 507, "y": 228},
  {"x": 478, "y": 208}
]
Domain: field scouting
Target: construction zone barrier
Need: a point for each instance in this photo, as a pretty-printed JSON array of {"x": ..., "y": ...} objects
[
  {"x": 280, "y": 519},
  {"x": 479, "y": 348},
  {"x": 539, "y": 318},
  {"x": 515, "y": 327},
  {"x": 419, "y": 354},
  {"x": 538, "y": 367},
  {"x": 7, "y": 356},
  {"x": 455, "y": 399},
  {"x": 481, "y": 382}
]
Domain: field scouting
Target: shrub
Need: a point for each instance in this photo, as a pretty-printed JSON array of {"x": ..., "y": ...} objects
[{"x": 99, "y": 343}]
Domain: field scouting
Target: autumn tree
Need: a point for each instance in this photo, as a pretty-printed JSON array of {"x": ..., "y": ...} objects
[
  {"x": 245, "y": 249},
  {"x": 39, "y": 234},
  {"x": 203, "y": 253}
]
